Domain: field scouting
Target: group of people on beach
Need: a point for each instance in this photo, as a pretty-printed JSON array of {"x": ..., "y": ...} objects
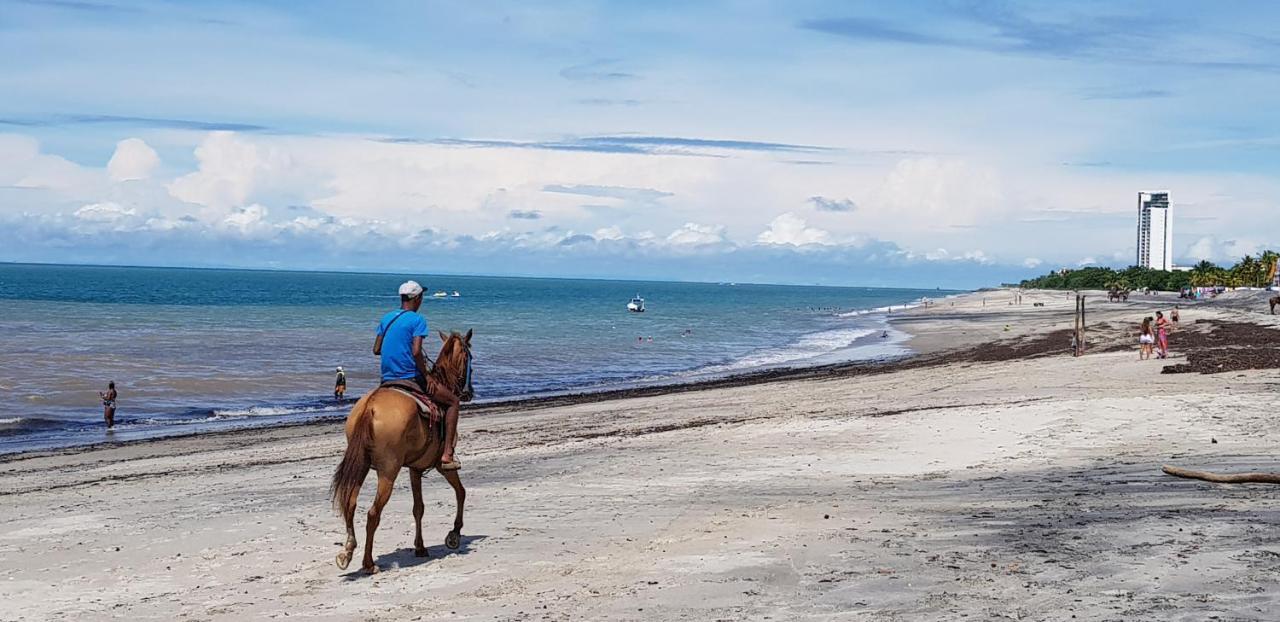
[{"x": 1153, "y": 335}]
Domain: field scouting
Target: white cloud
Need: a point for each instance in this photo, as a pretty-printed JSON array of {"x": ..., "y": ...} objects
[
  {"x": 132, "y": 160},
  {"x": 1032, "y": 262},
  {"x": 942, "y": 254},
  {"x": 693, "y": 234},
  {"x": 1087, "y": 261},
  {"x": 1235, "y": 249},
  {"x": 608, "y": 233},
  {"x": 248, "y": 221},
  {"x": 105, "y": 212},
  {"x": 791, "y": 230},
  {"x": 233, "y": 170},
  {"x": 23, "y": 165},
  {"x": 922, "y": 193},
  {"x": 1202, "y": 249}
]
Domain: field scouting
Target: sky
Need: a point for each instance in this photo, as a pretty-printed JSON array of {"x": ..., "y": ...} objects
[{"x": 926, "y": 144}]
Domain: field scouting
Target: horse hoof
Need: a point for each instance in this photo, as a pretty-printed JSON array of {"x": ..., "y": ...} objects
[
  {"x": 420, "y": 552},
  {"x": 370, "y": 569},
  {"x": 344, "y": 560},
  {"x": 453, "y": 540}
]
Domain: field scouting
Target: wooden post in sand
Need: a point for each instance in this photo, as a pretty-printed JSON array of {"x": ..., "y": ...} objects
[{"x": 1078, "y": 336}]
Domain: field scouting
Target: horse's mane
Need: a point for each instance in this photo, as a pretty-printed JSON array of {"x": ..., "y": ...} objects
[{"x": 447, "y": 367}]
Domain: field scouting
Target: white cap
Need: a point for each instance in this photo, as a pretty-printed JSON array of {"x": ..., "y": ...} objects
[
  {"x": 411, "y": 289},
  {"x": 339, "y": 368}
]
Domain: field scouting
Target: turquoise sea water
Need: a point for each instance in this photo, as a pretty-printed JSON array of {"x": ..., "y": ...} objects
[{"x": 193, "y": 350}]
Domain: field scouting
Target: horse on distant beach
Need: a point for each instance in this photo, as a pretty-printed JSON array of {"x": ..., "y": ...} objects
[
  {"x": 1275, "y": 302},
  {"x": 385, "y": 432}
]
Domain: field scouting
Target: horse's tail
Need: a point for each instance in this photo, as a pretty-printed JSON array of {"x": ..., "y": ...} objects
[{"x": 355, "y": 463}]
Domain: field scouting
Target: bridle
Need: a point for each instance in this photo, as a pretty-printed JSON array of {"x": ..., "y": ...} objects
[{"x": 463, "y": 390}]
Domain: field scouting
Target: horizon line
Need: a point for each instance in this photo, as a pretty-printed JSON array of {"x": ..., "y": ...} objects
[{"x": 461, "y": 274}]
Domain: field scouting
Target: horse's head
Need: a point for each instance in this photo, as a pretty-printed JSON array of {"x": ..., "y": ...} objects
[{"x": 454, "y": 364}]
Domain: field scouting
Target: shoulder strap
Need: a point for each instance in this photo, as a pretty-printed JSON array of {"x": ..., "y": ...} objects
[{"x": 393, "y": 321}]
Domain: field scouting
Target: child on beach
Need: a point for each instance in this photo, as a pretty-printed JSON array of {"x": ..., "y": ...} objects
[{"x": 1146, "y": 340}]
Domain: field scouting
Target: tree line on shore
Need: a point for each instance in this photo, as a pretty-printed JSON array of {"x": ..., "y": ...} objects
[{"x": 1250, "y": 271}]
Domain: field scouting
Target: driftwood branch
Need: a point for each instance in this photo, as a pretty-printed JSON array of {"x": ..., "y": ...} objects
[{"x": 1234, "y": 478}]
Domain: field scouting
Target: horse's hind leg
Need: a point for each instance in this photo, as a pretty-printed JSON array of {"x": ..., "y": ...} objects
[
  {"x": 415, "y": 481},
  {"x": 386, "y": 480},
  {"x": 349, "y": 515},
  {"x": 454, "y": 539}
]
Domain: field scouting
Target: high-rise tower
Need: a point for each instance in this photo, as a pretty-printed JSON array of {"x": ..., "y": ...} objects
[{"x": 1155, "y": 231}]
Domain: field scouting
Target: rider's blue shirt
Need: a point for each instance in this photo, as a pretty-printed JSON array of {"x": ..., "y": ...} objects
[{"x": 397, "y": 344}]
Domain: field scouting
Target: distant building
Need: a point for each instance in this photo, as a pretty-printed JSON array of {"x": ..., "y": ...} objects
[{"x": 1155, "y": 231}]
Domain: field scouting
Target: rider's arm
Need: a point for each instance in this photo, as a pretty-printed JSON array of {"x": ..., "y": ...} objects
[
  {"x": 377, "y": 346},
  {"x": 417, "y": 357}
]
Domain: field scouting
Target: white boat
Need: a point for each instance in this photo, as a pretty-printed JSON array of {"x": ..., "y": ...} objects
[
  {"x": 440, "y": 294},
  {"x": 636, "y": 305},
  {"x": 455, "y": 294}
]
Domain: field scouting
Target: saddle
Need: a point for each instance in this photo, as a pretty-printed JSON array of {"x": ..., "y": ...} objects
[{"x": 426, "y": 407}]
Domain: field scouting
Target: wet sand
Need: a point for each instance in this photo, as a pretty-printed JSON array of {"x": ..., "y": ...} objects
[{"x": 992, "y": 477}]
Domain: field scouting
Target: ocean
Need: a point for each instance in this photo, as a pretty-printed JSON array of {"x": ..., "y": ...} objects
[{"x": 194, "y": 350}]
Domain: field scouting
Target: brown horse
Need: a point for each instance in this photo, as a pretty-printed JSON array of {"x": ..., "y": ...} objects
[
  {"x": 386, "y": 433},
  {"x": 1275, "y": 302}
]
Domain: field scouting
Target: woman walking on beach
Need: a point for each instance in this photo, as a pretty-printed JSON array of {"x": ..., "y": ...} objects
[
  {"x": 1162, "y": 335},
  {"x": 1145, "y": 340},
  {"x": 109, "y": 404}
]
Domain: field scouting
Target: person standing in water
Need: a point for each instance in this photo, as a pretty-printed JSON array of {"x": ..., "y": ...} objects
[
  {"x": 340, "y": 384},
  {"x": 109, "y": 404}
]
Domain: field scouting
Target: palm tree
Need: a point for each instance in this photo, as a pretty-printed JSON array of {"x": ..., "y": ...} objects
[
  {"x": 1244, "y": 272},
  {"x": 1268, "y": 260},
  {"x": 1204, "y": 274}
]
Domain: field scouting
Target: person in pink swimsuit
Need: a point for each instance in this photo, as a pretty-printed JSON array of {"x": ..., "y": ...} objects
[{"x": 1162, "y": 335}]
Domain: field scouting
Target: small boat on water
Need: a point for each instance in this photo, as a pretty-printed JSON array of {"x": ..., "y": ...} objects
[
  {"x": 636, "y": 305},
  {"x": 440, "y": 294},
  {"x": 455, "y": 294}
]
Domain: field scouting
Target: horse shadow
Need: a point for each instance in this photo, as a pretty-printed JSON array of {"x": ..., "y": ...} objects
[{"x": 404, "y": 558}]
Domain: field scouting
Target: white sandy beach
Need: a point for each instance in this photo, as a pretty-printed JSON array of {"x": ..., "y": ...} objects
[{"x": 1026, "y": 489}]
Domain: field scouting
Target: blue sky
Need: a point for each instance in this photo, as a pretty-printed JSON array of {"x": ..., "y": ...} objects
[{"x": 941, "y": 143}]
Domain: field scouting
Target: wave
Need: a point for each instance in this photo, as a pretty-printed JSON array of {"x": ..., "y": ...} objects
[
  {"x": 12, "y": 426},
  {"x": 234, "y": 414},
  {"x": 271, "y": 411},
  {"x": 808, "y": 347},
  {"x": 888, "y": 309}
]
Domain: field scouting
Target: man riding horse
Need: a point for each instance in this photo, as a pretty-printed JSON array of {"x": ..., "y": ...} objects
[
  {"x": 399, "y": 343},
  {"x": 386, "y": 432}
]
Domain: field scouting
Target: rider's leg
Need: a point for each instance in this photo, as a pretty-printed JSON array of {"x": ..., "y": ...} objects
[
  {"x": 451, "y": 436},
  {"x": 444, "y": 395}
]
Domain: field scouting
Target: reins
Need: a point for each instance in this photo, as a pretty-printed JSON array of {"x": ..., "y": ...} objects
[{"x": 439, "y": 373}]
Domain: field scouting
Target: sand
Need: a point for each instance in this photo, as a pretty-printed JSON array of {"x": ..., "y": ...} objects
[{"x": 949, "y": 488}]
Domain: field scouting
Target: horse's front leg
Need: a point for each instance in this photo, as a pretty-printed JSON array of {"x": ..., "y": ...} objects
[
  {"x": 454, "y": 539},
  {"x": 415, "y": 481}
]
